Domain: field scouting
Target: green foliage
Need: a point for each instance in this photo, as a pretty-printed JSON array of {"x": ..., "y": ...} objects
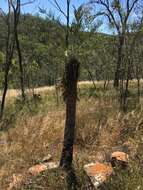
[{"x": 43, "y": 42}]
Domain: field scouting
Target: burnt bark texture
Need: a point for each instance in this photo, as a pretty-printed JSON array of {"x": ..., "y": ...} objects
[{"x": 70, "y": 96}]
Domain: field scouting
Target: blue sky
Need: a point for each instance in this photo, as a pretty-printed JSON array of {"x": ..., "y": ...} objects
[{"x": 33, "y": 8}]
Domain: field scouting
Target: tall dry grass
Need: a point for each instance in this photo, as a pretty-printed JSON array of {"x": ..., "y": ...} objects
[{"x": 32, "y": 134}]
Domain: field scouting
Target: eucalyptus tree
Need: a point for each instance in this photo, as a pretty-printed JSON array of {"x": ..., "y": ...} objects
[
  {"x": 16, "y": 6},
  {"x": 132, "y": 59},
  {"x": 119, "y": 15},
  {"x": 12, "y": 19},
  {"x": 10, "y": 43},
  {"x": 134, "y": 53}
]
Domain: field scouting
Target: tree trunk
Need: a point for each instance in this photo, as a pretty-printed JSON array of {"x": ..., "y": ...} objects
[
  {"x": 4, "y": 90},
  {"x": 70, "y": 96},
  {"x": 119, "y": 63},
  {"x": 16, "y": 21},
  {"x": 10, "y": 43},
  {"x": 9, "y": 56},
  {"x": 20, "y": 66},
  {"x": 91, "y": 78},
  {"x": 138, "y": 81}
]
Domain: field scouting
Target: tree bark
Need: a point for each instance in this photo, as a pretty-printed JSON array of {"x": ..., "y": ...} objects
[
  {"x": 70, "y": 95},
  {"x": 10, "y": 43},
  {"x": 16, "y": 21},
  {"x": 5, "y": 89},
  {"x": 20, "y": 65},
  {"x": 119, "y": 62}
]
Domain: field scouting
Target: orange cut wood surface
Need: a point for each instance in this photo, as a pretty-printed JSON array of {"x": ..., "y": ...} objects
[
  {"x": 35, "y": 170},
  {"x": 121, "y": 156},
  {"x": 99, "y": 168}
]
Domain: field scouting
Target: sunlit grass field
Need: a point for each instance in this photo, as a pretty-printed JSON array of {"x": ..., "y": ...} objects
[{"x": 30, "y": 132}]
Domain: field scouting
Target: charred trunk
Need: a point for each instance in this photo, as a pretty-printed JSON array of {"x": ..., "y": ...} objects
[{"x": 70, "y": 96}]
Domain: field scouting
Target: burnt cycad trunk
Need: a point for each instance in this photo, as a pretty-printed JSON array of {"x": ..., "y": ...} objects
[{"x": 70, "y": 96}]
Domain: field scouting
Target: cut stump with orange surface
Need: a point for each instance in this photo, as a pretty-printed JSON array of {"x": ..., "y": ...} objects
[
  {"x": 98, "y": 173},
  {"x": 119, "y": 159},
  {"x": 18, "y": 179},
  {"x": 37, "y": 169},
  {"x": 122, "y": 156}
]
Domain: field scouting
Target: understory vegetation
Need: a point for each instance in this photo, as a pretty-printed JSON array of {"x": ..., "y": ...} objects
[{"x": 31, "y": 132}]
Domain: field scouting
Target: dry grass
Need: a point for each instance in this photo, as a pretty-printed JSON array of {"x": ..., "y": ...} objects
[
  {"x": 27, "y": 143},
  {"x": 101, "y": 128},
  {"x": 13, "y": 93}
]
